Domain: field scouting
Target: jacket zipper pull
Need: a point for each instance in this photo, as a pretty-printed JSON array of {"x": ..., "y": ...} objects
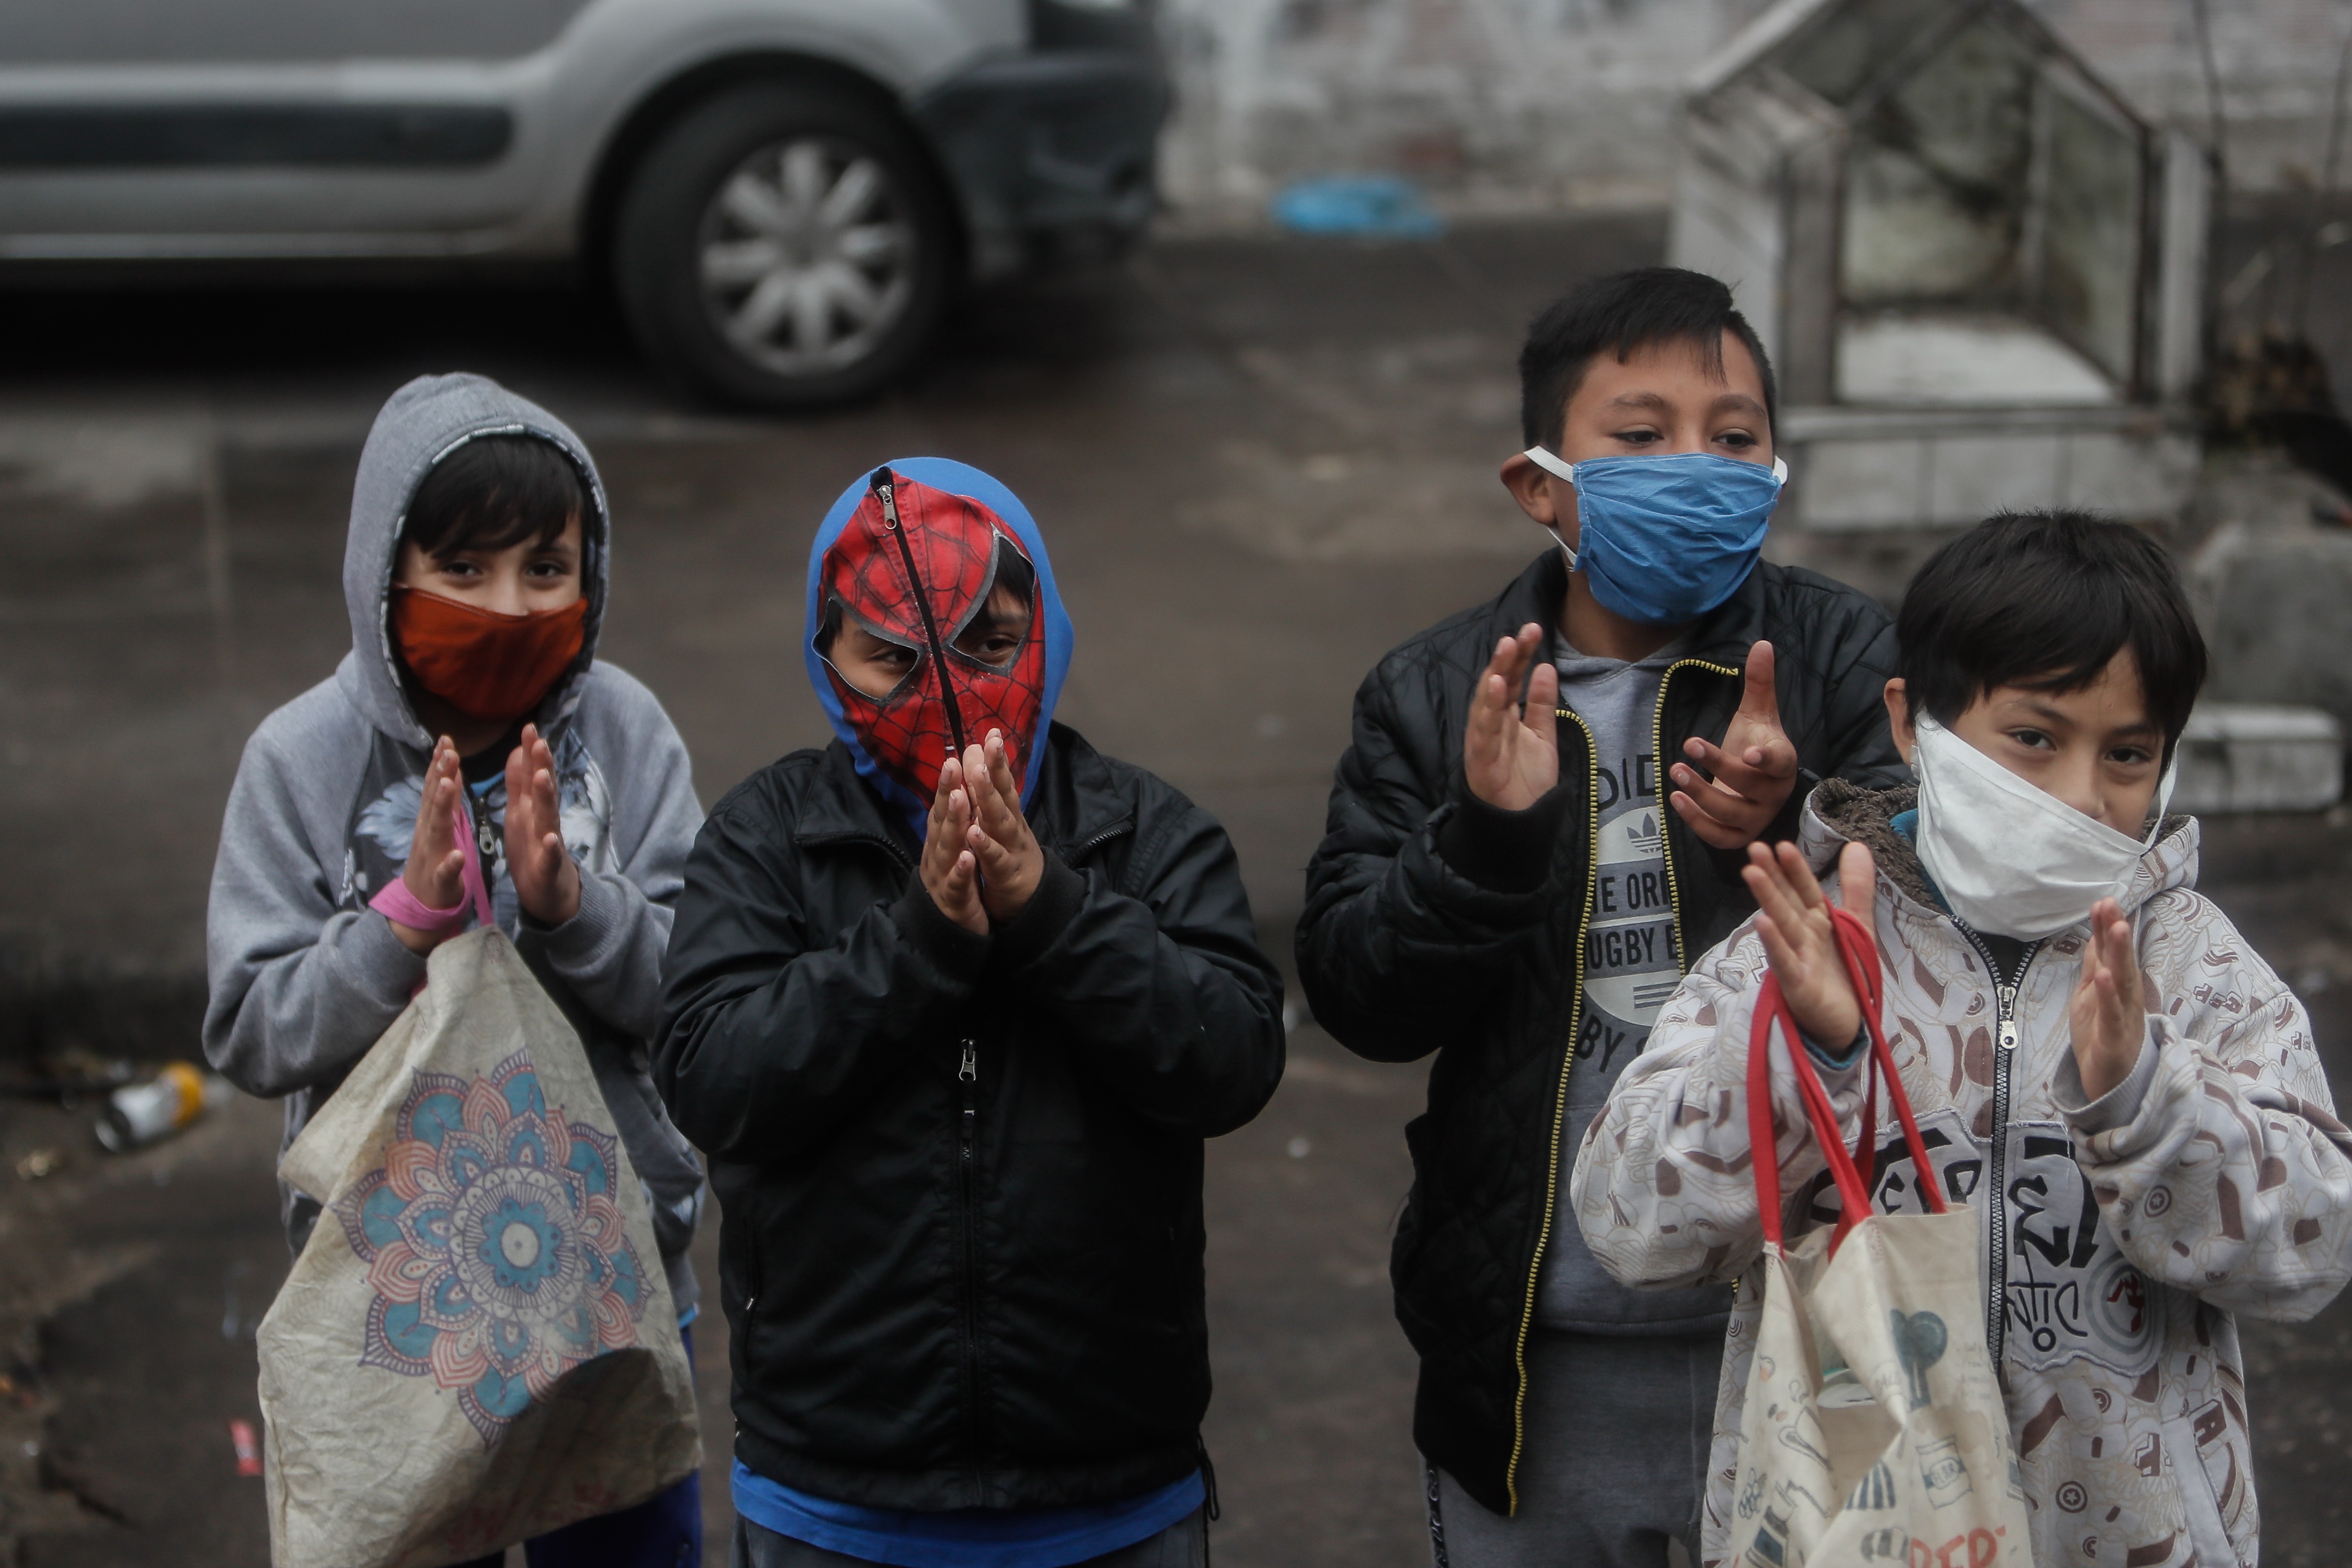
[
  {"x": 2008, "y": 998},
  {"x": 968, "y": 1074}
]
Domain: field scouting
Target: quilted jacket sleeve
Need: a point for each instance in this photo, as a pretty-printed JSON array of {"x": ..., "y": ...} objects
[
  {"x": 1160, "y": 983},
  {"x": 1664, "y": 1187},
  {"x": 1860, "y": 662},
  {"x": 774, "y": 1031},
  {"x": 1398, "y": 949},
  {"x": 2231, "y": 1177}
]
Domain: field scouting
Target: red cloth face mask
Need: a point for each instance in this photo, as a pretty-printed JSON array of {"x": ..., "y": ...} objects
[
  {"x": 485, "y": 665},
  {"x": 914, "y": 565}
]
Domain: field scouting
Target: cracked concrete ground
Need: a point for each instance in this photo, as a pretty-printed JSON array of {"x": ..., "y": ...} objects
[{"x": 1261, "y": 464}]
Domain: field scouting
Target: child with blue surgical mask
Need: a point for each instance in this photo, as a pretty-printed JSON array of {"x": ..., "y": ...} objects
[
  {"x": 1541, "y": 820},
  {"x": 2100, "y": 1066}
]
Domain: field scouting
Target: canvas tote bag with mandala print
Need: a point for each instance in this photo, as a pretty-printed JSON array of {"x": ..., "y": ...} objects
[
  {"x": 478, "y": 1345},
  {"x": 1873, "y": 1432}
]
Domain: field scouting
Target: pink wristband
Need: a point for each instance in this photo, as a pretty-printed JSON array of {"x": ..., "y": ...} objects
[{"x": 397, "y": 904}]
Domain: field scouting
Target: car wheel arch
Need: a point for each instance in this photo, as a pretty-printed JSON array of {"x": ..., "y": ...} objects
[{"x": 637, "y": 131}]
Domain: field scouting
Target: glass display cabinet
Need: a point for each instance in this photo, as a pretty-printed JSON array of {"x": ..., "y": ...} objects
[{"x": 1979, "y": 271}]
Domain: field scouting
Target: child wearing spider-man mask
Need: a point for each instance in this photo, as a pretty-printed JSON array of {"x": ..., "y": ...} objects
[{"x": 950, "y": 1006}]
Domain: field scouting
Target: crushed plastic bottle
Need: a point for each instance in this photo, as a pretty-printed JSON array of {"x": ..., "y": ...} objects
[{"x": 143, "y": 1113}]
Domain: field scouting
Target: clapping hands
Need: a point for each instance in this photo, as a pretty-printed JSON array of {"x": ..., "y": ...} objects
[
  {"x": 1747, "y": 778},
  {"x": 1510, "y": 750},
  {"x": 2109, "y": 1012},
  {"x": 1793, "y": 919},
  {"x": 437, "y": 863},
  {"x": 980, "y": 863},
  {"x": 547, "y": 883}
]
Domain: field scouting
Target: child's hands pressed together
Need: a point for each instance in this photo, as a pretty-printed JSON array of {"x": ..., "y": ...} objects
[
  {"x": 1011, "y": 862},
  {"x": 2109, "y": 1014},
  {"x": 546, "y": 881},
  {"x": 951, "y": 872},
  {"x": 1793, "y": 919},
  {"x": 435, "y": 870}
]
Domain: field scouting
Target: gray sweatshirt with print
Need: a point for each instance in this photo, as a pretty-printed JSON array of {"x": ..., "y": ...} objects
[{"x": 304, "y": 977}]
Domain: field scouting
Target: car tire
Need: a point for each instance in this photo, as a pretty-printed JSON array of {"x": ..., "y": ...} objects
[{"x": 783, "y": 245}]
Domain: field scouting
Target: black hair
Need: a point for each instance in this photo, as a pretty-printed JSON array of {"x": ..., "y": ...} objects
[
  {"x": 2043, "y": 599},
  {"x": 493, "y": 492},
  {"x": 1014, "y": 574},
  {"x": 1617, "y": 315}
]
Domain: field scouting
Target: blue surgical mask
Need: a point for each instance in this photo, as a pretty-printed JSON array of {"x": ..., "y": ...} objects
[{"x": 1665, "y": 539}]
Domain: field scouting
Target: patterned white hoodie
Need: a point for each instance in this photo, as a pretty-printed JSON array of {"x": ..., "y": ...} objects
[{"x": 2120, "y": 1236}]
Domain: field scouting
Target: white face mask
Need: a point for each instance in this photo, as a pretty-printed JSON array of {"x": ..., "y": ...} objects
[{"x": 2008, "y": 857}]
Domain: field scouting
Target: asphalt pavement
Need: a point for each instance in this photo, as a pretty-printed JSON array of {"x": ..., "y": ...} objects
[{"x": 1259, "y": 464}]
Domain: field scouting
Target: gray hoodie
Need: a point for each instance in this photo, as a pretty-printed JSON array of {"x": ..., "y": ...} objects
[{"x": 305, "y": 976}]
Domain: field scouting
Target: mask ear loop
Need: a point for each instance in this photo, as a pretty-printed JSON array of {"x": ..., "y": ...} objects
[
  {"x": 2163, "y": 797},
  {"x": 883, "y": 485},
  {"x": 1559, "y": 468},
  {"x": 2155, "y": 828}
]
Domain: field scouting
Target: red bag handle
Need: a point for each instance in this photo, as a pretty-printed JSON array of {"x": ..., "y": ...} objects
[{"x": 1859, "y": 953}]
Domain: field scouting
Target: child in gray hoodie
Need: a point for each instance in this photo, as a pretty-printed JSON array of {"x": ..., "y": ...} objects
[{"x": 476, "y": 574}]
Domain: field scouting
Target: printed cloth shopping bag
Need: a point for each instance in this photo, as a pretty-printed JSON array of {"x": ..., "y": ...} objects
[
  {"x": 1873, "y": 1432},
  {"x": 477, "y": 1345}
]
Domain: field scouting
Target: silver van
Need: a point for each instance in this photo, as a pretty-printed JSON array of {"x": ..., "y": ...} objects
[{"x": 785, "y": 196}]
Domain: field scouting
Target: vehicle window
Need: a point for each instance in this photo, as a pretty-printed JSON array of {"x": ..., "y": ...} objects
[{"x": 276, "y": 32}]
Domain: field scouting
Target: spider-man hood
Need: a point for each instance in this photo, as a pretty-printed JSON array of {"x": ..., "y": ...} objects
[{"x": 954, "y": 523}]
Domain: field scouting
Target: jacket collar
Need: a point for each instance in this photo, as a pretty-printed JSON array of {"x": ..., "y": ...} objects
[
  {"x": 1839, "y": 812},
  {"x": 1722, "y": 636},
  {"x": 1077, "y": 801}
]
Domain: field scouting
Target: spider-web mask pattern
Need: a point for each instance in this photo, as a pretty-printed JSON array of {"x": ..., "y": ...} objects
[{"x": 956, "y": 545}]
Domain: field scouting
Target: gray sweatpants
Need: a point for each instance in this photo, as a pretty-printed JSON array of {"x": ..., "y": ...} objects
[{"x": 1617, "y": 1437}]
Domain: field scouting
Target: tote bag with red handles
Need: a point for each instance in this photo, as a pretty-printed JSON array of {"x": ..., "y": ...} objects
[{"x": 1874, "y": 1432}]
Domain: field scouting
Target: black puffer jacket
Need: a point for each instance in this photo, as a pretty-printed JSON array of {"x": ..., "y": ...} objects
[
  {"x": 960, "y": 1175},
  {"x": 1435, "y": 923}
]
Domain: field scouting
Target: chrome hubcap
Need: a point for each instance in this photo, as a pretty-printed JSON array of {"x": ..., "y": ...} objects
[{"x": 807, "y": 257}]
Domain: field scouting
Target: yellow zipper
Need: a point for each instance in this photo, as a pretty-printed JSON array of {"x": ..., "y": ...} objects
[
  {"x": 1575, "y": 1014},
  {"x": 1559, "y": 1105},
  {"x": 1658, "y": 761}
]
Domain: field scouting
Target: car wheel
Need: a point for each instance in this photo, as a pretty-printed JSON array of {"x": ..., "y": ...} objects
[{"x": 784, "y": 247}]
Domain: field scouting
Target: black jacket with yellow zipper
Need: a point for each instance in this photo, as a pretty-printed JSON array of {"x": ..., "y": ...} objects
[{"x": 1435, "y": 923}]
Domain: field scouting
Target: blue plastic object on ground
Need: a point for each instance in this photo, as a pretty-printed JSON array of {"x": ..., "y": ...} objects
[{"x": 1373, "y": 205}]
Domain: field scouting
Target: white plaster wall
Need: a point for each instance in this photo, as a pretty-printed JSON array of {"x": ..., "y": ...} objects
[
  {"x": 1547, "y": 105},
  {"x": 1512, "y": 104}
]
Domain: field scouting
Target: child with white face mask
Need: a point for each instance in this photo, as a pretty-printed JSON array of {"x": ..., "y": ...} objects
[{"x": 2129, "y": 1096}]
